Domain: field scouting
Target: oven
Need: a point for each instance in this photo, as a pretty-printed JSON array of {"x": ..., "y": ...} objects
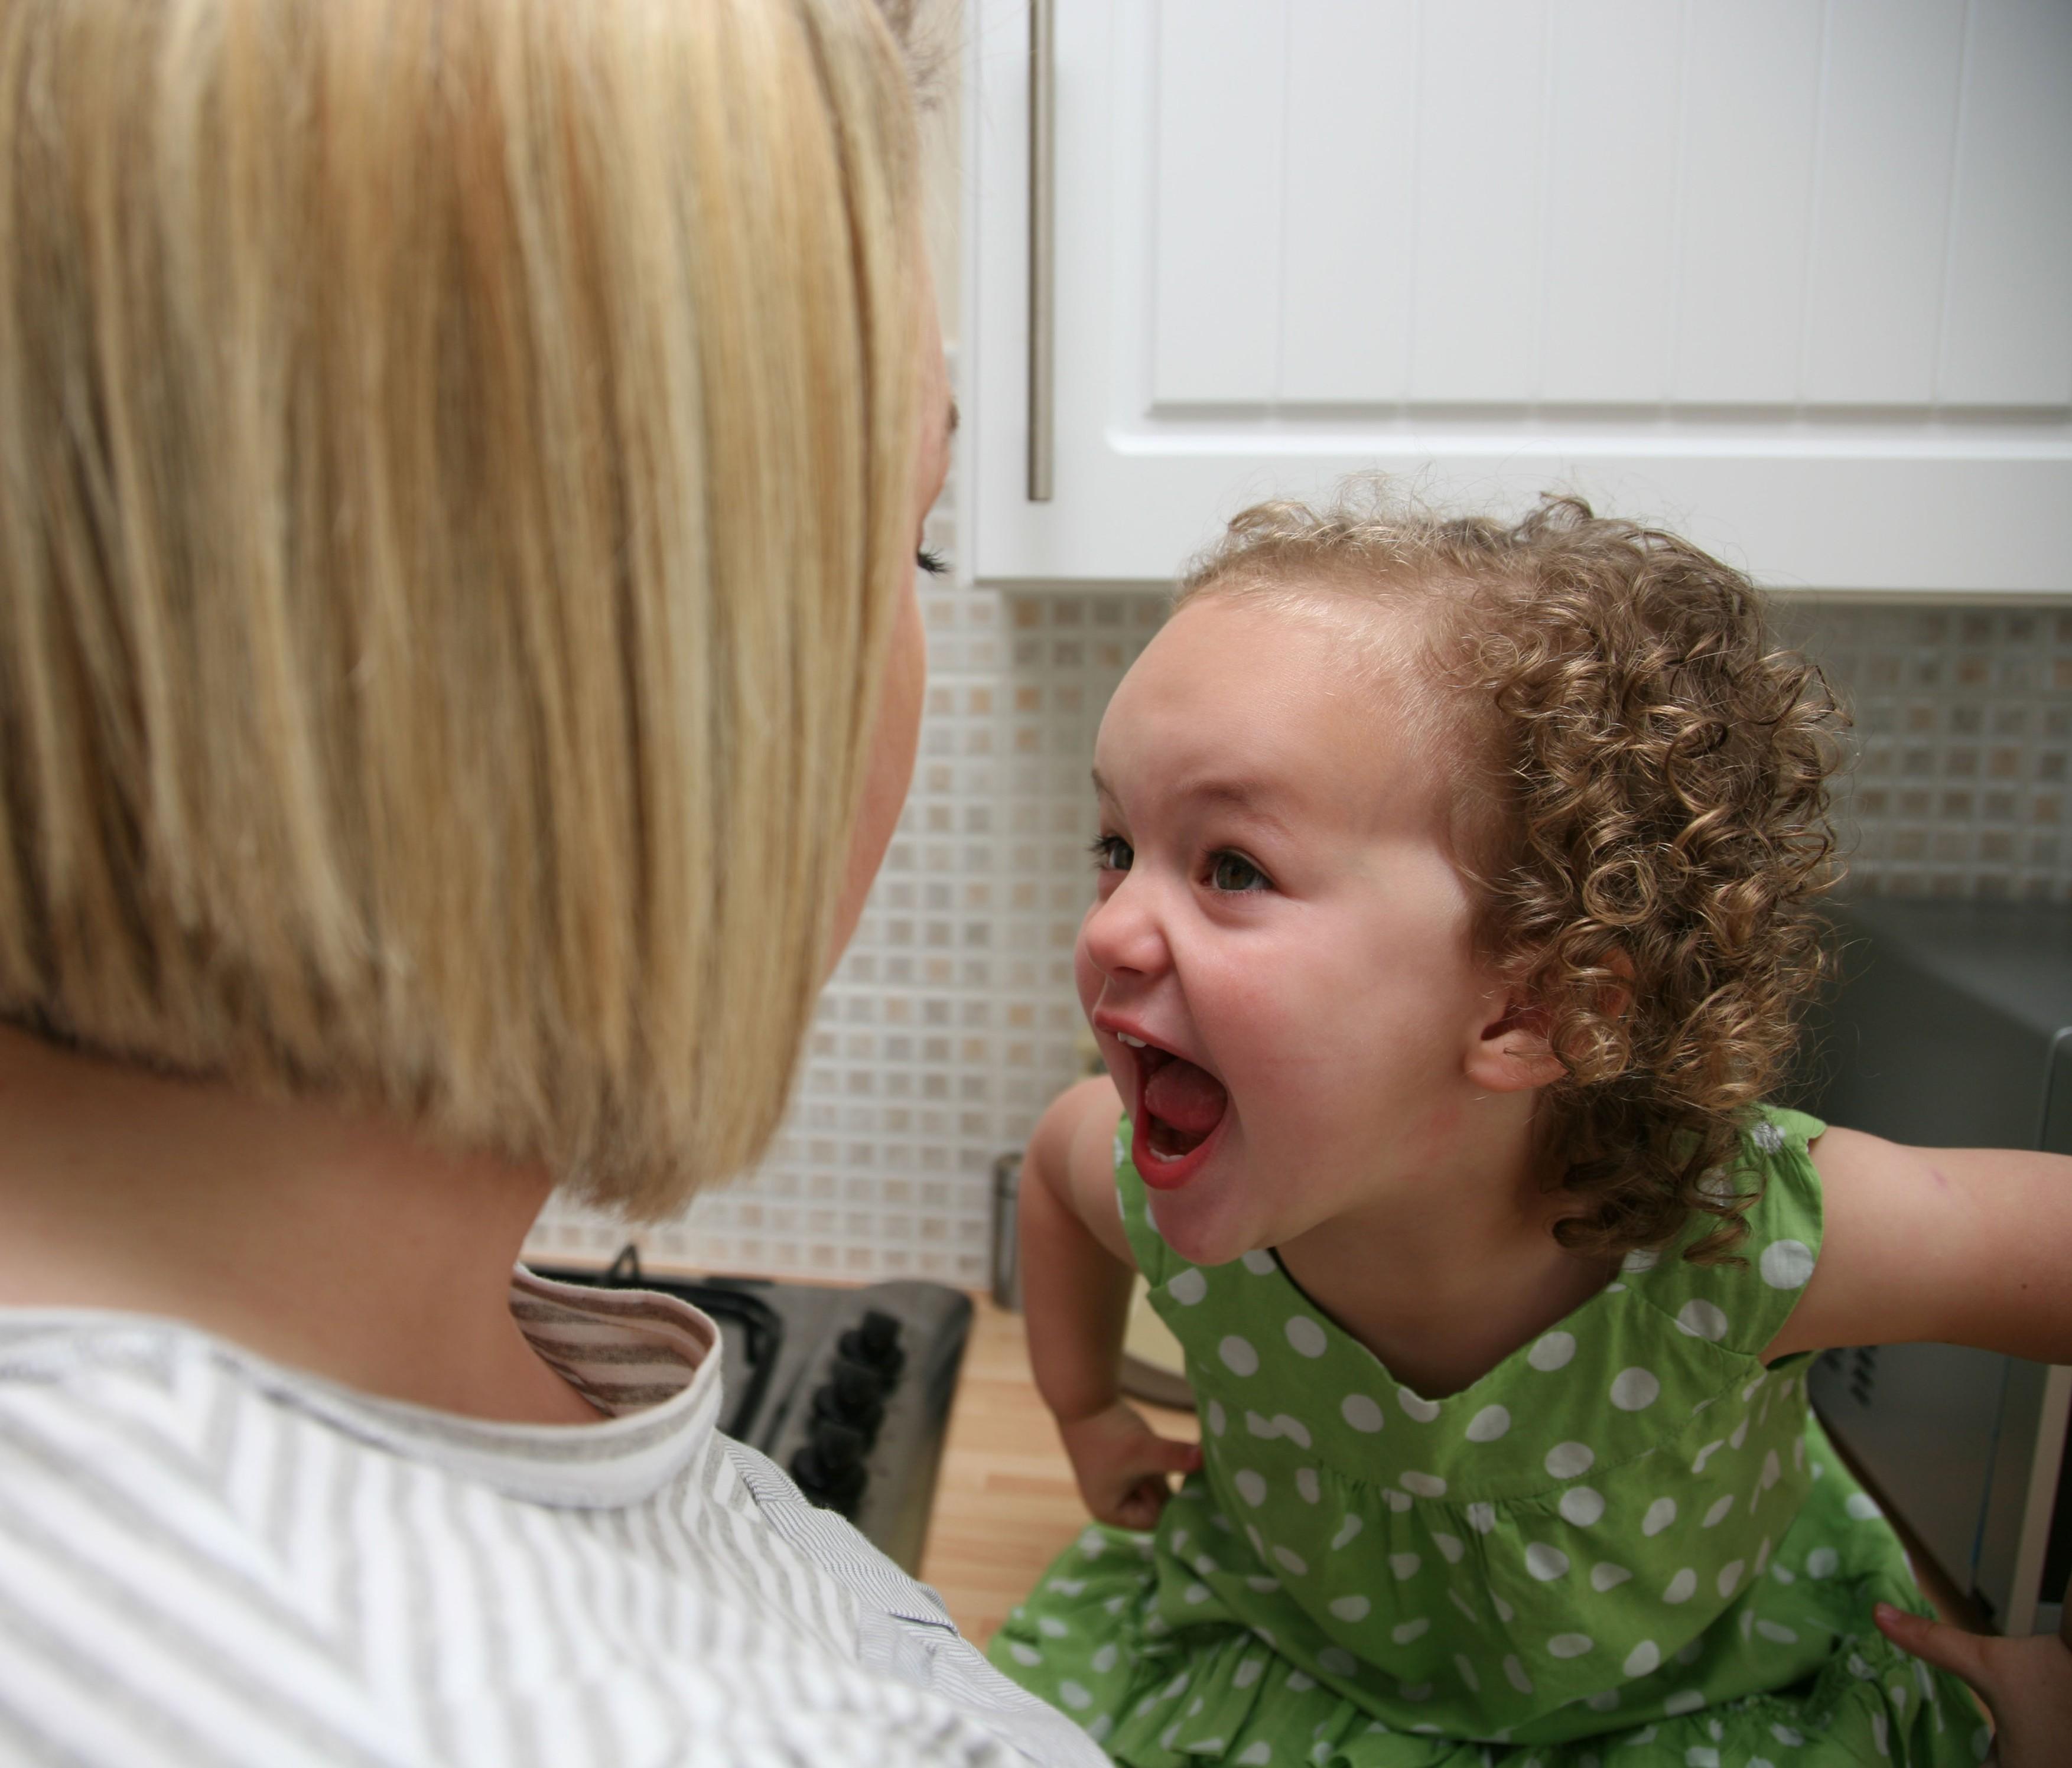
[{"x": 847, "y": 1390}]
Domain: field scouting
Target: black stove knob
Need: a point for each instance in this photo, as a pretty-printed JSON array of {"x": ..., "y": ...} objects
[
  {"x": 853, "y": 1396},
  {"x": 829, "y": 1467},
  {"x": 875, "y": 1345}
]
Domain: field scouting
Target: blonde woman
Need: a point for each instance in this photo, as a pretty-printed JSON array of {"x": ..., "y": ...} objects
[{"x": 461, "y": 465}]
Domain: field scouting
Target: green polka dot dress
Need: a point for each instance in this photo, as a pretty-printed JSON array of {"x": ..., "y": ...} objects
[{"x": 1629, "y": 1544}]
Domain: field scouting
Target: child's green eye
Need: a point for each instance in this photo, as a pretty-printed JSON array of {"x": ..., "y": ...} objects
[
  {"x": 1113, "y": 853},
  {"x": 1235, "y": 873}
]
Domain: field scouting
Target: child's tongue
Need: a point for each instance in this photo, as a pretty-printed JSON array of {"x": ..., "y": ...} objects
[{"x": 1186, "y": 1100}]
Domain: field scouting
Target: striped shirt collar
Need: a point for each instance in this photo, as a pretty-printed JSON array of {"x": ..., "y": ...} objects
[{"x": 651, "y": 1362}]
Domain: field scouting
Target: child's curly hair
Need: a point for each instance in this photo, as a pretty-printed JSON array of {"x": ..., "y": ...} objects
[{"x": 1649, "y": 836}]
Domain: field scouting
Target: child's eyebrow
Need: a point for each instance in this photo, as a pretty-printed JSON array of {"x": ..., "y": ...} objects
[{"x": 1251, "y": 796}]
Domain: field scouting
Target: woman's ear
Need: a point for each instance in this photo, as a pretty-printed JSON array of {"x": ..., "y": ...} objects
[{"x": 1511, "y": 1053}]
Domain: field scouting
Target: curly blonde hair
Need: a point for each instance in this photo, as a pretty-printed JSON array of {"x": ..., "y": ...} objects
[{"x": 1642, "y": 812}]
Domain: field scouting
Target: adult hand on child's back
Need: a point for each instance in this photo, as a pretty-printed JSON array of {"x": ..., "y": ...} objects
[
  {"x": 2026, "y": 1683},
  {"x": 1122, "y": 1464}
]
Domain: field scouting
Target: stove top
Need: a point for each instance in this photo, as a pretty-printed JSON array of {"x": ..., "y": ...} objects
[{"x": 847, "y": 1390}]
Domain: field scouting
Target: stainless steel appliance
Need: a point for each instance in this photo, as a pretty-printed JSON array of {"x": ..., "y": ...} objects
[
  {"x": 848, "y": 1390},
  {"x": 1952, "y": 1028}
]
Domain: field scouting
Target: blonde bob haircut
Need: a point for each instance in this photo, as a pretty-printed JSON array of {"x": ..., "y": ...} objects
[{"x": 455, "y": 469}]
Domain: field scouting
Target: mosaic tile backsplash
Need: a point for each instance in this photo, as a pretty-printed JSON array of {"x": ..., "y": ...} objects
[{"x": 952, "y": 1020}]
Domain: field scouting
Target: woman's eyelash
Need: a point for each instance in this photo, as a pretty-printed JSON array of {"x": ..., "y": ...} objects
[{"x": 931, "y": 561}]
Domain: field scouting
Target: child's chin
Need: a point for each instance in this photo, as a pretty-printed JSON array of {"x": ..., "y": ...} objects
[{"x": 1198, "y": 1235}]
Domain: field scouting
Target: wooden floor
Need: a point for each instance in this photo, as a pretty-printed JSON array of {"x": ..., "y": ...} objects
[{"x": 1006, "y": 1502}]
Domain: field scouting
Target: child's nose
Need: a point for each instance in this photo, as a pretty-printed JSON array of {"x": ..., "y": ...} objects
[{"x": 1122, "y": 935}]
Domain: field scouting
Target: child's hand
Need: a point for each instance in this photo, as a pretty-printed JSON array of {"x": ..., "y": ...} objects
[
  {"x": 2027, "y": 1683},
  {"x": 1122, "y": 1464}
]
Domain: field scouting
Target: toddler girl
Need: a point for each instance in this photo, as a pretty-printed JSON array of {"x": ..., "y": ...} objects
[{"x": 1456, "y": 895}]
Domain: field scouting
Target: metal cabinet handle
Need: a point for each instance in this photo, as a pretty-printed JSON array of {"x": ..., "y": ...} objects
[{"x": 1042, "y": 238}]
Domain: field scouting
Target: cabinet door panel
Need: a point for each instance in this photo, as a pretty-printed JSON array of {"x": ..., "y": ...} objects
[{"x": 1791, "y": 277}]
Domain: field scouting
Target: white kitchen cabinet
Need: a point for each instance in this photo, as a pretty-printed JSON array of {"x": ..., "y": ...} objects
[{"x": 1790, "y": 277}]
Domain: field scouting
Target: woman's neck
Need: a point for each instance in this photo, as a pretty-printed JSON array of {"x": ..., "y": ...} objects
[{"x": 335, "y": 1244}]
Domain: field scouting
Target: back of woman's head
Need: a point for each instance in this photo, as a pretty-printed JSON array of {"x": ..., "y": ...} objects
[
  {"x": 1639, "y": 783},
  {"x": 454, "y": 463}
]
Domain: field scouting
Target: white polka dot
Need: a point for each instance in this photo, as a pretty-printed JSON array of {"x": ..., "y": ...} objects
[
  {"x": 1466, "y": 1666},
  {"x": 1351, "y": 1608},
  {"x": 1305, "y": 1484},
  {"x": 1399, "y": 1502},
  {"x": 1767, "y": 1137},
  {"x": 1660, "y": 1514},
  {"x": 1260, "y": 1263},
  {"x": 1424, "y": 1485},
  {"x": 1581, "y": 1506},
  {"x": 1635, "y": 1390},
  {"x": 1415, "y": 1690},
  {"x": 1265, "y": 1585},
  {"x": 1718, "y": 1513},
  {"x": 1605, "y": 1575},
  {"x": 1706, "y": 1453},
  {"x": 1251, "y": 1485},
  {"x": 1025, "y": 1654},
  {"x": 1504, "y": 1611},
  {"x": 1545, "y": 1563},
  {"x": 1786, "y": 1264},
  {"x": 1075, "y": 1696},
  {"x": 1491, "y": 1423},
  {"x": 1217, "y": 1422},
  {"x": 1350, "y": 1526},
  {"x": 1643, "y": 1659},
  {"x": 1790, "y": 1739},
  {"x": 1281, "y": 1424},
  {"x": 1552, "y": 1350},
  {"x": 1292, "y": 1562},
  {"x": 1361, "y": 1412},
  {"x": 1093, "y": 1543},
  {"x": 1187, "y": 1287},
  {"x": 1247, "y": 1672},
  {"x": 1569, "y": 1645},
  {"x": 1730, "y": 1576},
  {"x": 1702, "y": 1320},
  {"x": 1257, "y": 1755},
  {"x": 1565, "y": 1461},
  {"x": 1104, "y": 1659},
  {"x": 1052, "y": 1628},
  {"x": 1306, "y": 1335},
  {"x": 1684, "y": 1701},
  {"x": 1514, "y": 1674},
  {"x": 1204, "y": 1566},
  {"x": 1197, "y": 1593},
  {"x": 1863, "y": 1506},
  {"x": 1465, "y": 1607},
  {"x": 1643, "y": 1260},
  {"x": 1407, "y": 1630},
  {"x": 1339, "y": 1662},
  {"x": 1682, "y": 1587},
  {"x": 1772, "y": 1470},
  {"x": 1239, "y": 1357},
  {"x": 1423, "y": 1410},
  {"x": 1823, "y": 1562},
  {"x": 1449, "y": 1545},
  {"x": 1403, "y": 1565},
  {"x": 1482, "y": 1517},
  {"x": 1776, "y": 1633}
]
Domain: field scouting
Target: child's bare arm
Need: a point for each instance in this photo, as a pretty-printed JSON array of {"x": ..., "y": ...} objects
[
  {"x": 1076, "y": 1269},
  {"x": 1969, "y": 1246}
]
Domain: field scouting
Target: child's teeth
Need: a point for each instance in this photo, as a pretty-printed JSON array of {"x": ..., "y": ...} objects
[{"x": 1134, "y": 1043}]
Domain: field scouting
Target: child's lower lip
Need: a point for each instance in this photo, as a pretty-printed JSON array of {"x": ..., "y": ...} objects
[{"x": 1170, "y": 1175}]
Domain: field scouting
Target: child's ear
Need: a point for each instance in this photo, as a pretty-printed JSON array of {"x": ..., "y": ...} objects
[{"x": 1511, "y": 1052}]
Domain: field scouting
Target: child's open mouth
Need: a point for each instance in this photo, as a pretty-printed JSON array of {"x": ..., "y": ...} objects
[{"x": 1181, "y": 1108}]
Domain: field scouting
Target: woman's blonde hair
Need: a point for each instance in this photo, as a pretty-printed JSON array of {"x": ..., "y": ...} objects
[
  {"x": 1639, "y": 782},
  {"x": 455, "y": 462}
]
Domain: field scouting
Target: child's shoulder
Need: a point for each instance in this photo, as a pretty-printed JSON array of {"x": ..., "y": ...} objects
[{"x": 1740, "y": 1301}]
